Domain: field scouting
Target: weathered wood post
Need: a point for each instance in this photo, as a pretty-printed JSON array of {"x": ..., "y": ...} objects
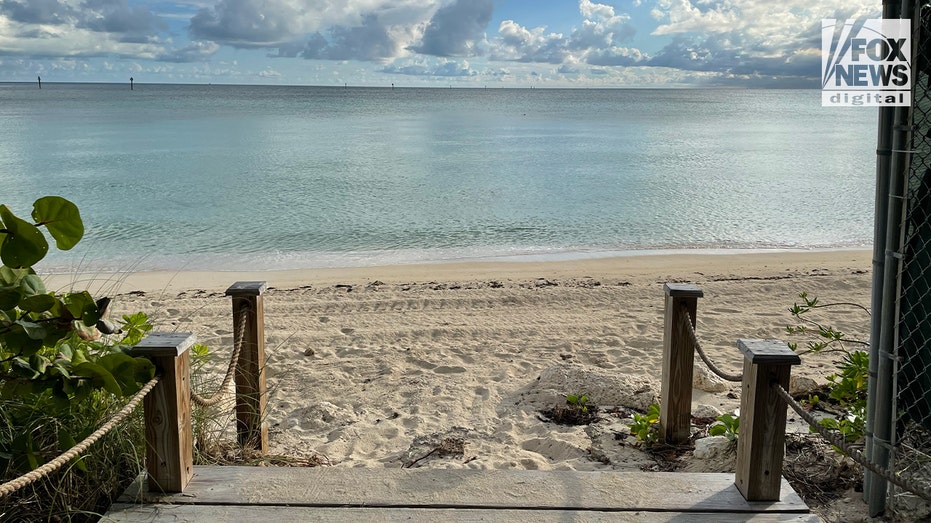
[
  {"x": 169, "y": 435},
  {"x": 678, "y": 360},
  {"x": 761, "y": 445},
  {"x": 251, "y": 397}
]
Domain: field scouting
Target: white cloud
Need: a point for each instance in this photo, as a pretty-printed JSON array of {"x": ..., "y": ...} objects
[{"x": 742, "y": 39}]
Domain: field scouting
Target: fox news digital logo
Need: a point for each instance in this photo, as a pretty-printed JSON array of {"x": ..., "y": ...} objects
[{"x": 866, "y": 62}]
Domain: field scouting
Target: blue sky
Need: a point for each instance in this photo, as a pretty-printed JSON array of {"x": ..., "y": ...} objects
[{"x": 467, "y": 43}]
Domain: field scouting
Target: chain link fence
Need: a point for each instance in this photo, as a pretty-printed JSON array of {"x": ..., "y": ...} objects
[{"x": 912, "y": 400}]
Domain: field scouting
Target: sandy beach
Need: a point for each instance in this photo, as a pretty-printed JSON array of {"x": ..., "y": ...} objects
[{"x": 378, "y": 366}]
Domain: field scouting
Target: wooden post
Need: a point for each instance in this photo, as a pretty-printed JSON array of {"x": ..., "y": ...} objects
[
  {"x": 678, "y": 360},
  {"x": 251, "y": 397},
  {"x": 761, "y": 444},
  {"x": 169, "y": 436}
]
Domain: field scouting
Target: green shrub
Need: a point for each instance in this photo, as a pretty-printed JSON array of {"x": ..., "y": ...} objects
[
  {"x": 646, "y": 426},
  {"x": 849, "y": 384},
  {"x": 63, "y": 371}
]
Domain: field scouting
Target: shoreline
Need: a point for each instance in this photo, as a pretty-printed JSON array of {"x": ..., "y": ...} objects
[{"x": 677, "y": 265}]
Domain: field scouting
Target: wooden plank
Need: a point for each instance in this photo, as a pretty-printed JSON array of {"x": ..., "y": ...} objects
[
  {"x": 469, "y": 488},
  {"x": 678, "y": 364},
  {"x": 167, "y": 409},
  {"x": 251, "y": 395},
  {"x": 761, "y": 446},
  {"x": 278, "y": 514}
]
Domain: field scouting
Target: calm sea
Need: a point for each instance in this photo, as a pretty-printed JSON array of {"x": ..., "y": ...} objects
[{"x": 233, "y": 177}]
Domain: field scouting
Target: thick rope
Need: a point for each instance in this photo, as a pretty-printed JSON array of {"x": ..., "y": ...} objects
[
  {"x": 905, "y": 481},
  {"x": 230, "y": 370},
  {"x": 46, "y": 469},
  {"x": 687, "y": 321}
]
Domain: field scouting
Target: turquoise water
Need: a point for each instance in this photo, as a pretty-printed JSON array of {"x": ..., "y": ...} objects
[{"x": 233, "y": 177}]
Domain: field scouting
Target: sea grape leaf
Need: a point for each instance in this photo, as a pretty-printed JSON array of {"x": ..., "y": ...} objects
[
  {"x": 9, "y": 298},
  {"x": 18, "y": 342},
  {"x": 127, "y": 371},
  {"x": 38, "y": 303},
  {"x": 24, "y": 245},
  {"x": 82, "y": 306},
  {"x": 34, "y": 330},
  {"x": 100, "y": 377},
  {"x": 12, "y": 276},
  {"x": 62, "y": 219},
  {"x": 32, "y": 285}
]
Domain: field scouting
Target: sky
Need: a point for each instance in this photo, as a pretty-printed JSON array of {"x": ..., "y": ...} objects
[{"x": 439, "y": 43}]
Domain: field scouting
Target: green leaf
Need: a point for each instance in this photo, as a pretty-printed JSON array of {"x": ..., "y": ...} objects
[
  {"x": 37, "y": 303},
  {"x": 65, "y": 443},
  {"x": 32, "y": 285},
  {"x": 11, "y": 276},
  {"x": 100, "y": 377},
  {"x": 62, "y": 219},
  {"x": 135, "y": 327},
  {"x": 38, "y": 363},
  {"x": 34, "y": 330},
  {"x": 82, "y": 307},
  {"x": 127, "y": 370},
  {"x": 717, "y": 430},
  {"x": 24, "y": 245},
  {"x": 18, "y": 342},
  {"x": 9, "y": 298}
]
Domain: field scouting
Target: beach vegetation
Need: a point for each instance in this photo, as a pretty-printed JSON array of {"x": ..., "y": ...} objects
[
  {"x": 64, "y": 369},
  {"x": 848, "y": 386},
  {"x": 646, "y": 426},
  {"x": 577, "y": 410},
  {"x": 578, "y": 400},
  {"x": 727, "y": 425}
]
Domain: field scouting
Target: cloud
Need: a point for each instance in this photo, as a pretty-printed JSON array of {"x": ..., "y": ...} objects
[
  {"x": 56, "y": 28},
  {"x": 600, "y": 35},
  {"x": 749, "y": 40},
  {"x": 51, "y": 12},
  {"x": 132, "y": 24},
  {"x": 325, "y": 29},
  {"x": 196, "y": 51},
  {"x": 249, "y": 24},
  {"x": 370, "y": 41},
  {"x": 456, "y": 29},
  {"x": 616, "y": 56},
  {"x": 519, "y": 44},
  {"x": 423, "y": 67}
]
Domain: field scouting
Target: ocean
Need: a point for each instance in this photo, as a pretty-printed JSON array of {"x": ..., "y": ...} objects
[{"x": 240, "y": 177}]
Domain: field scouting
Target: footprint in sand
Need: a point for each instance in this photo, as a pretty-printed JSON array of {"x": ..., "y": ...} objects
[
  {"x": 482, "y": 392},
  {"x": 445, "y": 369},
  {"x": 347, "y": 331},
  {"x": 323, "y": 319}
]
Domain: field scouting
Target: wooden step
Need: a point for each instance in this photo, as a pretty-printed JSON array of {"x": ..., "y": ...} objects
[{"x": 274, "y": 495}]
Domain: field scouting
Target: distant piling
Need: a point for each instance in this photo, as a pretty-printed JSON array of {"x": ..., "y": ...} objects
[
  {"x": 40, "y": 81},
  {"x": 130, "y": 83}
]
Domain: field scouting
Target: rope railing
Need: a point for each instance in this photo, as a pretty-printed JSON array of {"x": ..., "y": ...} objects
[
  {"x": 686, "y": 320},
  {"x": 169, "y": 439},
  {"x": 764, "y": 384},
  {"x": 905, "y": 481},
  {"x": 13, "y": 485},
  {"x": 231, "y": 368}
]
